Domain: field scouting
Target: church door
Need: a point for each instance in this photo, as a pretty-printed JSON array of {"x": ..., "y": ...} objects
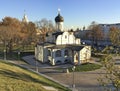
[{"x": 76, "y": 57}]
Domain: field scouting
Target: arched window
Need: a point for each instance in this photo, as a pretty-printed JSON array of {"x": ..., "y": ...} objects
[
  {"x": 58, "y": 53},
  {"x": 66, "y": 53}
]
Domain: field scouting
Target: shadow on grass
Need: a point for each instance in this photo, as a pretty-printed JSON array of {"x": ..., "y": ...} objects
[
  {"x": 20, "y": 76},
  {"x": 28, "y": 78}
]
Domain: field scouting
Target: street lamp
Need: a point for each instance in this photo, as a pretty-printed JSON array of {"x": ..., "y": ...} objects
[
  {"x": 73, "y": 76},
  {"x": 36, "y": 64},
  {"x": 4, "y": 54},
  {"x": 18, "y": 55}
]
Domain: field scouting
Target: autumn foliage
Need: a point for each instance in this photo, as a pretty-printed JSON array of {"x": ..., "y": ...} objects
[{"x": 15, "y": 32}]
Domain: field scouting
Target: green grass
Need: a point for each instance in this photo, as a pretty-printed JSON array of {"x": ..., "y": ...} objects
[
  {"x": 85, "y": 67},
  {"x": 15, "y": 78}
]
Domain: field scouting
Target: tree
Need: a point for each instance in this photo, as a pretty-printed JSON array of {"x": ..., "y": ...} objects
[
  {"x": 14, "y": 32},
  {"x": 95, "y": 33},
  {"x": 28, "y": 34},
  {"x": 112, "y": 73},
  {"x": 44, "y": 26},
  {"x": 114, "y": 35},
  {"x": 84, "y": 28},
  {"x": 9, "y": 31}
]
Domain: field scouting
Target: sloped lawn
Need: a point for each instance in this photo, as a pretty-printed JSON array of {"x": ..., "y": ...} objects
[{"x": 15, "y": 78}]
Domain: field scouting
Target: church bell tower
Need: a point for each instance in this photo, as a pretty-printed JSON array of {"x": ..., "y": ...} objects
[
  {"x": 59, "y": 21},
  {"x": 25, "y": 18}
]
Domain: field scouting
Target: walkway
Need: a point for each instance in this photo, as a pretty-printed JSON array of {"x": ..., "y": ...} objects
[{"x": 84, "y": 81}]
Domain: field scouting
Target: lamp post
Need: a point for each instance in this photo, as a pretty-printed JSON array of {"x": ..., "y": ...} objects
[
  {"x": 36, "y": 64},
  {"x": 73, "y": 77},
  {"x": 4, "y": 54},
  {"x": 18, "y": 55}
]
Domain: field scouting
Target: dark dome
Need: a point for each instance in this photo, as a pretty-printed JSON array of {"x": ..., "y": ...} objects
[{"x": 59, "y": 18}]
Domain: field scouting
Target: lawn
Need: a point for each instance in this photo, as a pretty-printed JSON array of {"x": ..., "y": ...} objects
[
  {"x": 85, "y": 67},
  {"x": 15, "y": 78}
]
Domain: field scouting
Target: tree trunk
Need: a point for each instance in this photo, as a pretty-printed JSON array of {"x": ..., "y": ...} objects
[{"x": 10, "y": 47}]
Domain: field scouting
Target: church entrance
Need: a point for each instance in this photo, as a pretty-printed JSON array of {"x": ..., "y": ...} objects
[{"x": 76, "y": 57}]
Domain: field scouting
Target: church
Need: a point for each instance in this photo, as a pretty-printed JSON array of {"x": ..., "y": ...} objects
[{"x": 62, "y": 47}]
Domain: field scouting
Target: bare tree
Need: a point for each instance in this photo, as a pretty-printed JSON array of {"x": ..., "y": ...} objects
[
  {"x": 114, "y": 35},
  {"x": 111, "y": 78},
  {"x": 95, "y": 33},
  {"x": 44, "y": 26}
]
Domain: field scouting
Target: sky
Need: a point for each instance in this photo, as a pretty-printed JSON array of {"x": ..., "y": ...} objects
[{"x": 76, "y": 13}]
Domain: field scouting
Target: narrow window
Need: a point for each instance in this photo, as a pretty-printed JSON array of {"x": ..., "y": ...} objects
[
  {"x": 66, "y": 53},
  {"x": 49, "y": 53},
  {"x": 65, "y": 36},
  {"x": 58, "y": 53}
]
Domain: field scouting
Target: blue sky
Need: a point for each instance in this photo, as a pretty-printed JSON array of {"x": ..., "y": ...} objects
[{"x": 76, "y": 13}]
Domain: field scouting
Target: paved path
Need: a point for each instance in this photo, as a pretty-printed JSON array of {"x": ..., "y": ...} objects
[
  {"x": 31, "y": 60},
  {"x": 84, "y": 81}
]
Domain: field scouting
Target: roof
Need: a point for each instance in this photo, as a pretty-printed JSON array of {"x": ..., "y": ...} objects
[
  {"x": 46, "y": 43},
  {"x": 57, "y": 33},
  {"x": 72, "y": 47}
]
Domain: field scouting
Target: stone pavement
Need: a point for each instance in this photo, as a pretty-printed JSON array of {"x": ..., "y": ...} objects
[
  {"x": 84, "y": 81},
  {"x": 31, "y": 60}
]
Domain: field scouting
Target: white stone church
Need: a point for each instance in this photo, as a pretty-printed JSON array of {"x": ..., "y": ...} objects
[{"x": 62, "y": 47}]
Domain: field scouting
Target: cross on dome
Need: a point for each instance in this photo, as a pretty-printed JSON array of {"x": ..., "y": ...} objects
[
  {"x": 59, "y": 10},
  {"x": 59, "y": 18}
]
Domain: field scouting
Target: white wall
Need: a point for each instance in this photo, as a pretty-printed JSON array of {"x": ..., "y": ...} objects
[
  {"x": 39, "y": 53},
  {"x": 85, "y": 54},
  {"x": 67, "y": 38},
  {"x": 53, "y": 59},
  {"x": 45, "y": 55},
  {"x": 59, "y": 26},
  {"x": 77, "y": 41},
  {"x": 58, "y": 40},
  {"x": 36, "y": 53}
]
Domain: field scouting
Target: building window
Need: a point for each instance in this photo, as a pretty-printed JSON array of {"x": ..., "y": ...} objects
[
  {"x": 58, "y": 53},
  {"x": 49, "y": 53},
  {"x": 65, "y": 36},
  {"x": 76, "y": 56},
  {"x": 66, "y": 53}
]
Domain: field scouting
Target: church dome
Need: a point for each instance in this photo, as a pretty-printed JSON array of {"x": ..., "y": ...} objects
[{"x": 59, "y": 18}]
